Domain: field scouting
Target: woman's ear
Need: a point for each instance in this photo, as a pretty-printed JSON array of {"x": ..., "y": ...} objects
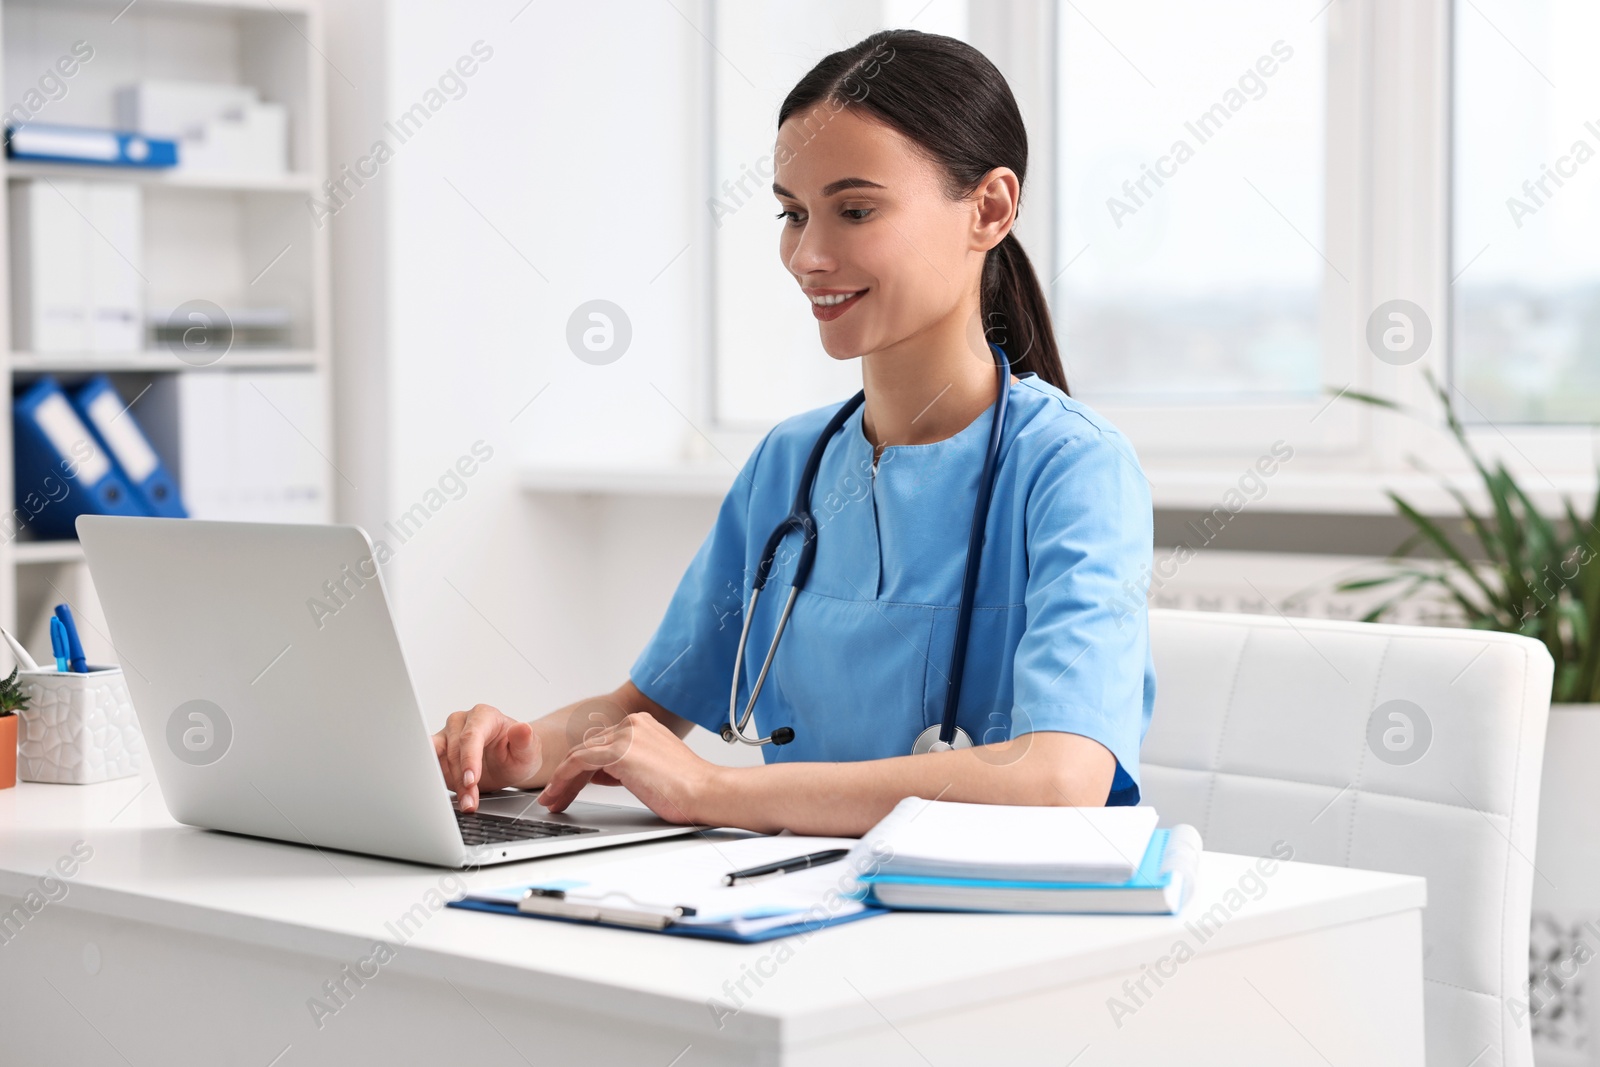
[{"x": 995, "y": 201}]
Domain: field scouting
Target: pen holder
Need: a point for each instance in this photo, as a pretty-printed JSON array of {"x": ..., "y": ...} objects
[{"x": 78, "y": 728}]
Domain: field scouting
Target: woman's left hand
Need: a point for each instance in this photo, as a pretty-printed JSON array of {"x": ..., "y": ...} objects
[{"x": 647, "y": 759}]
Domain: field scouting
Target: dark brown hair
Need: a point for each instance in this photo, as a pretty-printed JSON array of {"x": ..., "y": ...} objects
[{"x": 948, "y": 99}]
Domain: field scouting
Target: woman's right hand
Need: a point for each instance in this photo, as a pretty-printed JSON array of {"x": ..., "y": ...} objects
[{"x": 485, "y": 749}]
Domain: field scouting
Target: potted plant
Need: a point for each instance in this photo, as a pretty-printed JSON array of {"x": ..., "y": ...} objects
[
  {"x": 1538, "y": 577},
  {"x": 12, "y": 700}
]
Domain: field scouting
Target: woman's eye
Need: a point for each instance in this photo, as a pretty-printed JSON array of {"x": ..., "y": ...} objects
[{"x": 854, "y": 214}]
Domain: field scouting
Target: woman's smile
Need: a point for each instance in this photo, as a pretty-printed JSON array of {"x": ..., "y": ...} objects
[{"x": 829, "y": 304}]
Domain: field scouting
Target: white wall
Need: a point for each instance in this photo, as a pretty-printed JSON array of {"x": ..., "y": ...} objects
[{"x": 571, "y": 156}]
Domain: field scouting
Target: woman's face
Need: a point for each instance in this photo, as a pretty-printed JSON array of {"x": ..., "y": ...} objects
[{"x": 864, "y": 213}]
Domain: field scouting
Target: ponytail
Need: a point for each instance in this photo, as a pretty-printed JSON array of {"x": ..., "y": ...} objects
[
  {"x": 1015, "y": 315},
  {"x": 947, "y": 98}
]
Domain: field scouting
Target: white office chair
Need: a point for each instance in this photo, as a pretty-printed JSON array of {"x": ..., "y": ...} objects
[{"x": 1261, "y": 733}]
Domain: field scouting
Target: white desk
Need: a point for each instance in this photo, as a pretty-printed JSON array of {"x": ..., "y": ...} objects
[{"x": 178, "y": 946}]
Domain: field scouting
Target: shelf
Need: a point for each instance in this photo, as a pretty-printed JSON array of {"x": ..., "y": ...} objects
[
  {"x": 660, "y": 479},
  {"x": 182, "y": 8},
  {"x": 65, "y": 551},
  {"x": 159, "y": 360},
  {"x": 1324, "y": 492},
  {"x": 1344, "y": 492},
  {"x": 19, "y": 170}
]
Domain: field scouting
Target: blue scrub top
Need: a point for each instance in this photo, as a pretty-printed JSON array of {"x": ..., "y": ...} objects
[{"x": 1060, "y": 636}]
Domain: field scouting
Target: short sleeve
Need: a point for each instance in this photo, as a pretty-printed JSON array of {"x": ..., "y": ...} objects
[
  {"x": 687, "y": 666},
  {"x": 1083, "y": 663}
]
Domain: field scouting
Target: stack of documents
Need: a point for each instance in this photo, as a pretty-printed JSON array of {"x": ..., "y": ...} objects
[
  {"x": 990, "y": 857},
  {"x": 681, "y": 891}
]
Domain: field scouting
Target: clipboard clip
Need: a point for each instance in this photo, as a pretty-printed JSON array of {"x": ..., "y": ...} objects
[
  {"x": 553, "y": 894},
  {"x": 550, "y": 901}
]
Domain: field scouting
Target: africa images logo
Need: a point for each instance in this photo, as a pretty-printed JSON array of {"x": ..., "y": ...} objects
[
  {"x": 199, "y": 732},
  {"x": 1399, "y": 732}
]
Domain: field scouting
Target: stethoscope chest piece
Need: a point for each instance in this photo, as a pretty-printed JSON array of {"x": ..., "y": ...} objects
[{"x": 928, "y": 741}]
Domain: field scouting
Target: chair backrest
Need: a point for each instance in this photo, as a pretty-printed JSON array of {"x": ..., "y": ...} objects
[{"x": 1392, "y": 748}]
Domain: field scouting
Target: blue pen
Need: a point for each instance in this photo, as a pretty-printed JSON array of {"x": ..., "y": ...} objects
[
  {"x": 58, "y": 643},
  {"x": 74, "y": 646}
]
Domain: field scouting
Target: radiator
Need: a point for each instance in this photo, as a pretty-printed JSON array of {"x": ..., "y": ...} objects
[{"x": 1283, "y": 583}]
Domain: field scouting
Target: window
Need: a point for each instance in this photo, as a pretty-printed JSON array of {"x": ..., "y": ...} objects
[
  {"x": 1191, "y": 201},
  {"x": 1526, "y": 210}
]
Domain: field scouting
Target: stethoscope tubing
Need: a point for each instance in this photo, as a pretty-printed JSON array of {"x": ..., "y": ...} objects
[
  {"x": 969, "y": 582},
  {"x": 800, "y": 519}
]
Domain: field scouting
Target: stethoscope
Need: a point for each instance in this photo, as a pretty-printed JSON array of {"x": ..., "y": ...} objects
[{"x": 947, "y": 735}]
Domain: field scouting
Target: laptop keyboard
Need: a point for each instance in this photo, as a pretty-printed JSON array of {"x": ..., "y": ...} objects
[{"x": 479, "y": 828}]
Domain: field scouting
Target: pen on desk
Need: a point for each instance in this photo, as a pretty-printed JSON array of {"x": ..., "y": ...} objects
[
  {"x": 58, "y": 643},
  {"x": 796, "y": 863},
  {"x": 74, "y": 646}
]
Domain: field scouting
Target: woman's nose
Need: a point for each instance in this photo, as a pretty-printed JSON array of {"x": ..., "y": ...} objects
[{"x": 810, "y": 252}]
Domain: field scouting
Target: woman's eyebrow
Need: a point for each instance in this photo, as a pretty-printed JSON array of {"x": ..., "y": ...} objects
[{"x": 832, "y": 187}]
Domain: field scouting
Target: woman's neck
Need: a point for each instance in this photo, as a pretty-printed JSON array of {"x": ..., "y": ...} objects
[{"x": 927, "y": 388}]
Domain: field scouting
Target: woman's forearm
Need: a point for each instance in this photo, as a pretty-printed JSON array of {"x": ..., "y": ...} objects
[{"x": 847, "y": 799}]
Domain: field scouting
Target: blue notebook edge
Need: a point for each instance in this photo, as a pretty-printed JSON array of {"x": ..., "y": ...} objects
[{"x": 680, "y": 931}]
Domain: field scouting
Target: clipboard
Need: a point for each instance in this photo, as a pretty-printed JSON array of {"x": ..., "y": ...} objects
[
  {"x": 671, "y": 929},
  {"x": 679, "y": 892}
]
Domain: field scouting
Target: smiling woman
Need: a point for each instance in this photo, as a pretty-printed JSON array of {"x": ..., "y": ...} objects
[{"x": 952, "y": 635}]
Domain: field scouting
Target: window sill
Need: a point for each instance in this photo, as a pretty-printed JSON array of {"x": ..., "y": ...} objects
[
  {"x": 1297, "y": 492},
  {"x": 710, "y": 479}
]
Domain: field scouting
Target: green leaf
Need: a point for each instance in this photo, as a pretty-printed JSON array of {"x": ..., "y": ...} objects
[
  {"x": 1368, "y": 398},
  {"x": 1430, "y": 530},
  {"x": 1355, "y": 585}
]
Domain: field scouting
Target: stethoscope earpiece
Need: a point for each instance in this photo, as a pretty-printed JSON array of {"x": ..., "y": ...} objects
[{"x": 800, "y": 518}]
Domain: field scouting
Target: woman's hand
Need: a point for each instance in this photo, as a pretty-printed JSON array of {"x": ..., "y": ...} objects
[
  {"x": 647, "y": 759},
  {"x": 485, "y": 749}
]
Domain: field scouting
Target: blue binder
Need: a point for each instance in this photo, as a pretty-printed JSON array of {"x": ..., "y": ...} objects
[
  {"x": 98, "y": 402},
  {"x": 62, "y": 471},
  {"x": 86, "y": 144}
]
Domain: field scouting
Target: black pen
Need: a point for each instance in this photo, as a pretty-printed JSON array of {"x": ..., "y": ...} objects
[{"x": 797, "y": 863}]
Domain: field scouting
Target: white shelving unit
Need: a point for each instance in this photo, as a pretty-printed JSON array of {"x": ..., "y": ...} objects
[{"x": 237, "y": 241}]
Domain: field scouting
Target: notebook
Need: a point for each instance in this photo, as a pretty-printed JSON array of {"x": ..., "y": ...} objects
[
  {"x": 680, "y": 892},
  {"x": 1163, "y": 883},
  {"x": 943, "y": 838}
]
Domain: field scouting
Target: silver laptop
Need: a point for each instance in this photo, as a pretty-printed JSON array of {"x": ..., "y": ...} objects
[{"x": 268, "y": 679}]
